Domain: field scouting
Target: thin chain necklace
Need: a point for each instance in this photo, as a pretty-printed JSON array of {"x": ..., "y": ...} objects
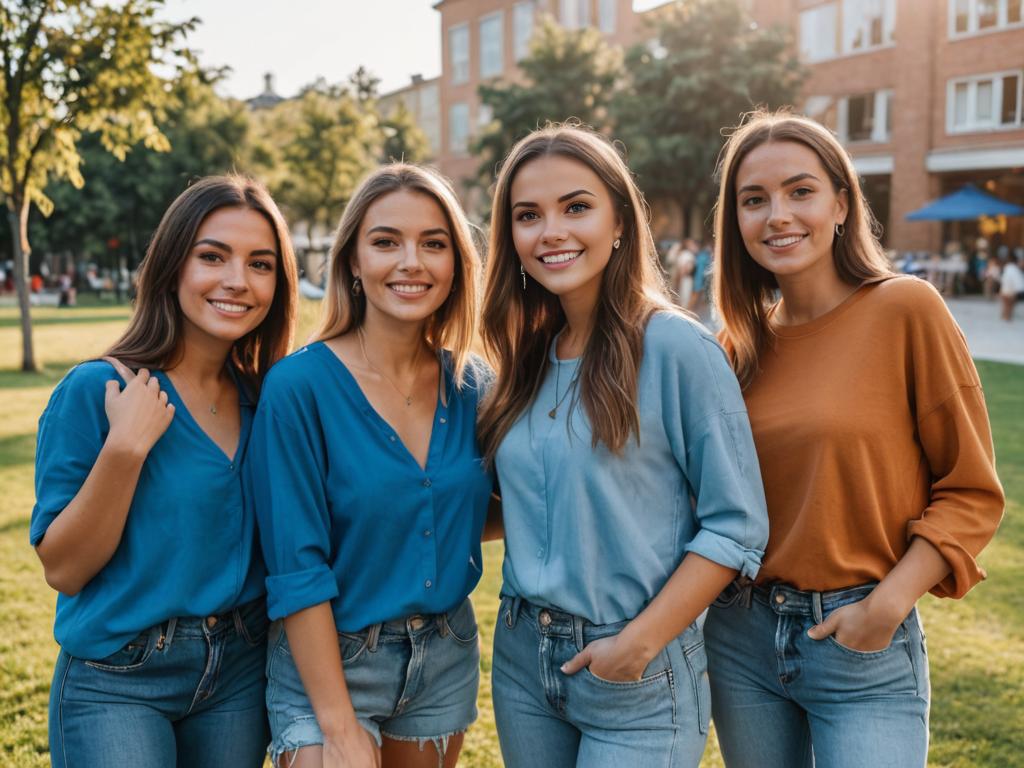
[
  {"x": 379, "y": 372},
  {"x": 212, "y": 407},
  {"x": 572, "y": 385}
]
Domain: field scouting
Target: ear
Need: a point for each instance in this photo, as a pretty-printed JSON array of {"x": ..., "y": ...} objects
[
  {"x": 842, "y": 206},
  {"x": 619, "y": 227}
]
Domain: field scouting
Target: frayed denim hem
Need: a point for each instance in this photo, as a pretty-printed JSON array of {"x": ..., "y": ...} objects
[{"x": 440, "y": 742}]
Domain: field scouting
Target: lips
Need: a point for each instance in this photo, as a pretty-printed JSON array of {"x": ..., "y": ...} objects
[
  {"x": 559, "y": 257},
  {"x": 231, "y": 307},
  {"x": 784, "y": 241},
  {"x": 409, "y": 289}
]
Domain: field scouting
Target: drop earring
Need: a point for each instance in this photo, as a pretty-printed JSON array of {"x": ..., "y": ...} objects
[
  {"x": 616, "y": 243},
  {"x": 522, "y": 274},
  {"x": 357, "y": 286}
]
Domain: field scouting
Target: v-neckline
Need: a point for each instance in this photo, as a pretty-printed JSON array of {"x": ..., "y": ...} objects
[
  {"x": 168, "y": 384},
  {"x": 440, "y": 409}
]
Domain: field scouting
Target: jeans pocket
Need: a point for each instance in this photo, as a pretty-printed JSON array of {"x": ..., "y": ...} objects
[
  {"x": 659, "y": 668},
  {"x": 696, "y": 658},
  {"x": 352, "y": 646},
  {"x": 253, "y": 628},
  {"x": 461, "y": 623},
  {"x": 899, "y": 637},
  {"x": 129, "y": 658}
]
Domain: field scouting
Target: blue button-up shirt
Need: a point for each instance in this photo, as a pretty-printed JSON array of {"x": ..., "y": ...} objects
[
  {"x": 346, "y": 514},
  {"x": 598, "y": 535},
  {"x": 189, "y": 544}
]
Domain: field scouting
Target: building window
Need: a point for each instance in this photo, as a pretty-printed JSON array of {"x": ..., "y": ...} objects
[
  {"x": 574, "y": 14},
  {"x": 865, "y": 117},
  {"x": 458, "y": 128},
  {"x": 522, "y": 28},
  {"x": 606, "y": 16},
  {"x": 971, "y": 17},
  {"x": 491, "y": 49},
  {"x": 458, "y": 49},
  {"x": 484, "y": 115},
  {"x": 867, "y": 24},
  {"x": 818, "y": 32},
  {"x": 989, "y": 102}
]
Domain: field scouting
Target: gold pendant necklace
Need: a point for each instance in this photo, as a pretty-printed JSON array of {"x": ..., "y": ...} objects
[
  {"x": 212, "y": 407},
  {"x": 572, "y": 384},
  {"x": 379, "y": 372}
]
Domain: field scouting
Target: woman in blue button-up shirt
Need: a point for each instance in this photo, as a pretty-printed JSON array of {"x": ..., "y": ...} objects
[
  {"x": 630, "y": 487},
  {"x": 371, "y": 493},
  {"x": 139, "y": 518}
]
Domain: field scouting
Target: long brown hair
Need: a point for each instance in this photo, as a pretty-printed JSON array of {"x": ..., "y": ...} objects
[
  {"x": 744, "y": 291},
  {"x": 154, "y": 338},
  {"x": 519, "y": 325},
  {"x": 454, "y": 325}
]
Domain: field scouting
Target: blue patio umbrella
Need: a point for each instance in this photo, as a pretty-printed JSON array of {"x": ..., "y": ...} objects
[{"x": 965, "y": 204}]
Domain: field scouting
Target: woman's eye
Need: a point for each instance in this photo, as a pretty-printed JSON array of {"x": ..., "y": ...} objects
[
  {"x": 751, "y": 201},
  {"x": 263, "y": 266},
  {"x": 210, "y": 256},
  {"x": 577, "y": 207},
  {"x": 526, "y": 216},
  {"x": 437, "y": 245},
  {"x": 802, "y": 191},
  {"x": 384, "y": 242}
]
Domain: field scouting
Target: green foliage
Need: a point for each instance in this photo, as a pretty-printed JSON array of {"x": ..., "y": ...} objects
[
  {"x": 708, "y": 65},
  {"x": 402, "y": 139},
  {"x": 567, "y": 74}
]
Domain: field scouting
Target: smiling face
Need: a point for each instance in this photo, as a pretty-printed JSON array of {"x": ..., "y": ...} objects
[
  {"x": 787, "y": 210},
  {"x": 563, "y": 225},
  {"x": 404, "y": 257},
  {"x": 227, "y": 283}
]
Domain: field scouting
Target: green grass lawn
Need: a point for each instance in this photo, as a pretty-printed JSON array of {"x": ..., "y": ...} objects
[{"x": 976, "y": 645}]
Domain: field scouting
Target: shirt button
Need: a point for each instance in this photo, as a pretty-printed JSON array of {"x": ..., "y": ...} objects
[
  {"x": 780, "y": 599},
  {"x": 392, "y": 438},
  {"x": 444, "y": 420},
  {"x": 426, "y": 483},
  {"x": 231, "y": 466},
  {"x": 428, "y": 583},
  {"x": 540, "y": 553},
  {"x": 427, "y": 532}
]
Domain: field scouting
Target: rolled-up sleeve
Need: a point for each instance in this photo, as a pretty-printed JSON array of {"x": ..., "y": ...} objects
[{"x": 285, "y": 471}]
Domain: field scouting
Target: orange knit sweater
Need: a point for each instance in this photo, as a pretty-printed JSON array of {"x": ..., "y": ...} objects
[{"x": 871, "y": 428}]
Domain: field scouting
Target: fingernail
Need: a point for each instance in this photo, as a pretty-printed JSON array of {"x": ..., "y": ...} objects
[{"x": 563, "y": 667}]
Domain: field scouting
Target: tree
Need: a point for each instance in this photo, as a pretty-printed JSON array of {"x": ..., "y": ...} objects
[
  {"x": 402, "y": 139},
  {"x": 567, "y": 74},
  {"x": 708, "y": 66},
  {"x": 70, "y": 66}
]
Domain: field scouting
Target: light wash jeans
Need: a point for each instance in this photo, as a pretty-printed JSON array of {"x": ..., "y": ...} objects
[
  {"x": 546, "y": 718},
  {"x": 188, "y": 692},
  {"x": 783, "y": 700}
]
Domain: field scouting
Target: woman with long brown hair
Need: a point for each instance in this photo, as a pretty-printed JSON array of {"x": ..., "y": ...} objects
[
  {"x": 875, "y": 449},
  {"x": 372, "y": 513},
  {"x": 139, "y": 519},
  {"x": 629, "y": 485}
]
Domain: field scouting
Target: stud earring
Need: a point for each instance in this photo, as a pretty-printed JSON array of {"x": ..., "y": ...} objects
[{"x": 616, "y": 243}]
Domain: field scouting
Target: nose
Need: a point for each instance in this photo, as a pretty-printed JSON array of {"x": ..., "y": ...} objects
[
  {"x": 779, "y": 215},
  {"x": 554, "y": 231},
  {"x": 233, "y": 278},
  {"x": 410, "y": 261}
]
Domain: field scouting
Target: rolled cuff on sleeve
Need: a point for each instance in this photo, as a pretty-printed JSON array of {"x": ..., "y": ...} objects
[
  {"x": 727, "y": 552},
  {"x": 965, "y": 571},
  {"x": 292, "y": 592}
]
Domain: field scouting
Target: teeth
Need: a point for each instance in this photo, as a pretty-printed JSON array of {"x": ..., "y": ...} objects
[
  {"x": 782, "y": 243},
  {"x": 560, "y": 258},
  {"x": 403, "y": 288},
  {"x": 226, "y": 307}
]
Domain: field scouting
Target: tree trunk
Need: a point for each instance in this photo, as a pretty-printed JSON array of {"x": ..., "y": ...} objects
[{"x": 17, "y": 216}]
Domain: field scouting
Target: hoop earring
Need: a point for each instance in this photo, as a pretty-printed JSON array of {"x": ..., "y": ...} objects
[
  {"x": 840, "y": 229},
  {"x": 357, "y": 286},
  {"x": 616, "y": 243},
  {"x": 522, "y": 274}
]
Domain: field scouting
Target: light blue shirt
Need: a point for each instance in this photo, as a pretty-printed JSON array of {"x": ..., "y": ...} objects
[
  {"x": 598, "y": 535},
  {"x": 346, "y": 514},
  {"x": 189, "y": 545}
]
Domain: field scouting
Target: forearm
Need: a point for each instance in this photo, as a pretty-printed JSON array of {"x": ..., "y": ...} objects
[
  {"x": 313, "y": 639},
  {"x": 84, "y": 536},
  {"x": 920, "y": 569},
  {"x": 691, "y": 588}
]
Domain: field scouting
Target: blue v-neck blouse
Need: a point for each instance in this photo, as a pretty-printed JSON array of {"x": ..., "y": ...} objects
[
  {"x": 189, "y": 544},
  {"x": 346, "y": 514}
]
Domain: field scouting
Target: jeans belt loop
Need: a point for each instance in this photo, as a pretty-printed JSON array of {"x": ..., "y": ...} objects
[
  {"x": 577, "y": 631},
  {"x": 512, "y": 612},
  {"x": 816, "y": 607},
  {"x": 236, "y": 616},
  {"x": 746, "y": 591},
  {"x": 166, "y": 636},
  {"x": 372, "y": 636}
]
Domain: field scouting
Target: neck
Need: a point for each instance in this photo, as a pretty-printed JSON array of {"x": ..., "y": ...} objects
[
  {"x": 394, "y": 346},
  {"x": 806, "y": 297},
  {"x": 579, "y": 308},
  {"x": 202, "y": 363}
]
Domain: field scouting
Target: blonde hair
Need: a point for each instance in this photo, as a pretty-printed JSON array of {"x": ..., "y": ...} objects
[
  {"x": 454, "y": 325},
  {"x": 519, "y": 325},
  {"x": 154, "y": 337},
  {"x": 744, "y": 291}
]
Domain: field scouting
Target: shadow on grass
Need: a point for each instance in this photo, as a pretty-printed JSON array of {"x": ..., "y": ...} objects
[
  {"x": 16, "y": 524},
  {"x": 69, "y": 319},
  {"x": 52, "y": 372},
  {"x": 17, "y": 450}
]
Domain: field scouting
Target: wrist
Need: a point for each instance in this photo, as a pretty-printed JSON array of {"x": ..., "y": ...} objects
[
  {"x": 124, "y": 448},
  {"x": 340, "y": 727},
  {"x": 638, "y": 641},
  {"x": 888, "y": 607}
]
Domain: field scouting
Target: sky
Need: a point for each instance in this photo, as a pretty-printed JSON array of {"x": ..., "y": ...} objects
[{"x": 301, "y": 40}]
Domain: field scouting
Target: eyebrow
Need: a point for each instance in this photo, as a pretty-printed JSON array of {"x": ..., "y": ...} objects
[
  {"x": 226, "y": 247},
  {"x": 393, "y": 231},
  {"x": 786, "y": 183},
  {"x": 562, "y": 199}
]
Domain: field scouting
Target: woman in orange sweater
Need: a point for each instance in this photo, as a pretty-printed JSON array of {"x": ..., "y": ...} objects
[{"x": 874, "y": 445}]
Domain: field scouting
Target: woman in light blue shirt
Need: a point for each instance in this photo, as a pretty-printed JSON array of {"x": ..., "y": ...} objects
[
  {"x": 139, "y": 518},
  {"x": 371, "y": 492},
  {"x": 630, "y": 487}
]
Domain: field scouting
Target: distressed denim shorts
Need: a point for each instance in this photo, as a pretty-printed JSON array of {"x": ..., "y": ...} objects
[{"x": 412, "y": 679}]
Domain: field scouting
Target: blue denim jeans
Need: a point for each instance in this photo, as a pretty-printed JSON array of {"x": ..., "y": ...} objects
[
  {"x": 783, "y": 700},
  {"x": 546, "y": 718},
  {"x": 413, "y": 679},
  {"x": 188, "y": 692}
]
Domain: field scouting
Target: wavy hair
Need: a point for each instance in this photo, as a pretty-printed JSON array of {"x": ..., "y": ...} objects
[
  {"x": 454, "y": 325},
  {"x": 154, "y": 336},
  {"x": 744, "y": 291},
  {"x": 519, "y": 325}
]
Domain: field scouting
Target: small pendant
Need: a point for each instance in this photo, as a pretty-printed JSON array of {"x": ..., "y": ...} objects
[
  {"x": 408, "y": 401},
  {"x": 213, "y": 409},
  {"x": 552, "y": 412}
]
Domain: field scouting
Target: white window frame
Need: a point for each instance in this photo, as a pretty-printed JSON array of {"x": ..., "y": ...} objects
[
  {"x": 459, "y": 63},
  {"x": 523, "y": 18},
  {"x": 806, "y": 30},
  {"x": 879, "y": 133},
  {"x": 607, "y": 16},
  {"x": 854, "y": 16},
  {"x": 1002, "y": 22},
  {"x": 574, "y": 14},
  {"x": 492, "y": 68},
  {"x": 458, "y": 141},
  {"x": 973, "y": 125}
]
